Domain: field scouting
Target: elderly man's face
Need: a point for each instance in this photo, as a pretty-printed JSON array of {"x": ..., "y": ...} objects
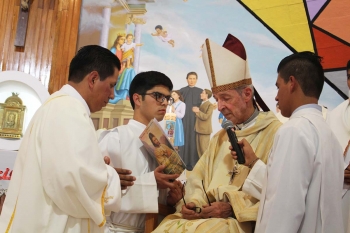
[{"x": 232, "y": 105}]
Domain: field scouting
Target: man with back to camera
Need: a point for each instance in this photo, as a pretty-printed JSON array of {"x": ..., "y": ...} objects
[
  {"x": 230, "y": 209},
  {"x": 191, "y": 96},
  {"x": 149, "y": 94},
  {"x": 60, "y": 182},
  {"x": 304, "y": 175},
  {"x": 339, "y": 121}
]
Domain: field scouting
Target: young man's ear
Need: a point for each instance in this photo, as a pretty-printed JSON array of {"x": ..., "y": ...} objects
[
  {"x": 293, "y": 83},
  {"x": 137, "y": 99}
]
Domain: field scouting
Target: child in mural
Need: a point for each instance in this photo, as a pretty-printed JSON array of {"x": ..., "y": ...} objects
[
  {"x": 163, "y": 35},
  {"x": 125, "y": 53},
  {"x": 179, "y": 108},
  {"x": 128, "y": 50},
  {"x": 117, "y": 49}
]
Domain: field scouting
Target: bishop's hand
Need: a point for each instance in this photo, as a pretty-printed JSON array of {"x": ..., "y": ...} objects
[
  {"x": 188, "y": 211},
  {"x": 217, "y": 210}
]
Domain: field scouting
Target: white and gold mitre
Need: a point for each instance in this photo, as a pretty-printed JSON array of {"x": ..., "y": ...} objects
[{"x": 227, "y": 66}]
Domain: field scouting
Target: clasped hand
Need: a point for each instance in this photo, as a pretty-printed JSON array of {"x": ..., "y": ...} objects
[
  {"x": 215, "y": 210},
  {"x": 124, "y": 175}
]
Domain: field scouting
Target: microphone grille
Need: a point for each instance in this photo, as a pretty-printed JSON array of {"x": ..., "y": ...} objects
[{"x": 227, "y": 124}]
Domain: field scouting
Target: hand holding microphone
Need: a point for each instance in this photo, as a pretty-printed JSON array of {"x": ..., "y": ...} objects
[
  {"x": 228, "y": 126},
  {"x": 244, "y": 149}
]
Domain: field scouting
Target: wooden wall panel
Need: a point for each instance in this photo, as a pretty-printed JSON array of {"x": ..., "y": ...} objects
[
  {"x": 51, "y": 39},
  {"x": 64, "y": 50}
]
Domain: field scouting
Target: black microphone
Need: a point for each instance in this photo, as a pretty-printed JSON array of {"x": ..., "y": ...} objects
[{"x": 228, "y": 125}]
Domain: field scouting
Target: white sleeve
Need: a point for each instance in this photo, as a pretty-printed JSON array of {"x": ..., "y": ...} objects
[
  {"x": 290, "y": 170},
  {"x": 142, "y": 197},
  {"x": 113, "y": 195},
  {"x": 254, "y": 182},
  {"x": 109, "y": 143}
]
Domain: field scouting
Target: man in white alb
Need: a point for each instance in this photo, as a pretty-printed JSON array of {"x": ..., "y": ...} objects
[
  {"x": 60, "y": 182},
  {"x": 304, "y": 175},
  {"x": 339, "y": 121},
  {"x": 149, "y": 94}
]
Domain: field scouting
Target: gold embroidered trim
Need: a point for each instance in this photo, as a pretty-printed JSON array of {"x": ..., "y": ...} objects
[
  {"x": 211, "y": 63},
  {"x": 230, "y": 86},
  {"x": 103, "y": 208},
  {"x": 11, "y": 219},
  {"x": 108, "y": 198},
  {"x": 88, "y": 225}
]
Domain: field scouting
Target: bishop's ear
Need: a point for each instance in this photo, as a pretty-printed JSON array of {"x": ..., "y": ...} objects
[{"x": 247, "y": 94}]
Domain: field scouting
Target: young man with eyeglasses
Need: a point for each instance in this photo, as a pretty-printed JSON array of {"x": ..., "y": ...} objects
[{"x": 149, "y": 94}]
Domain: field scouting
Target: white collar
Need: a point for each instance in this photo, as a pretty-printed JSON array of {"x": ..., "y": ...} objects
[
  {"x": 71, "y": 91},
  {"x": 137, "y": 124},
  {"x": 249, "y": 122}
]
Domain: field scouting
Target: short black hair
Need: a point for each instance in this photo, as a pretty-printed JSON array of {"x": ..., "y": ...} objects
[
  {"x": 92, "y": 58},
  {"x": 307, "y": 69},
  {"x": 192, "y": 73},
  {"x": 145, "y": 81},
  {"x": 159, "y": 27},
  {"x": 348, "y": 65}
]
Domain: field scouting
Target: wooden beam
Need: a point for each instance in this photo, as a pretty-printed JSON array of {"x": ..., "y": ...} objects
[
  {"x": 22, "y": 26},
  {"x": 41, "y": 4},
  {"x": 52, "y": 4}
]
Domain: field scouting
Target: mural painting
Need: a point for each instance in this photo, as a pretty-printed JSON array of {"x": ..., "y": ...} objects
[{"x": 168, "y": 35}]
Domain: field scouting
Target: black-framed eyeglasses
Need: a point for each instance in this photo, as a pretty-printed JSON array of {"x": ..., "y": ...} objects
[
  {"x": 195, "y": 209},
  {"x": 159, "y": 96}
]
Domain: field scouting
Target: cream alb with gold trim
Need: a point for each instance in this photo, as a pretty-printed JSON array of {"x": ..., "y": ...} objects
[
  {"x": 226, "y": 67},
  {"x": 213, "y": 168},
  {"x": 60, "y": 183}
]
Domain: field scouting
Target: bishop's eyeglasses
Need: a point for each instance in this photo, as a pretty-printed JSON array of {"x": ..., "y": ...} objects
[
  {"x": 159, "y": 97},
  {"x": 195, "y": 209}
]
